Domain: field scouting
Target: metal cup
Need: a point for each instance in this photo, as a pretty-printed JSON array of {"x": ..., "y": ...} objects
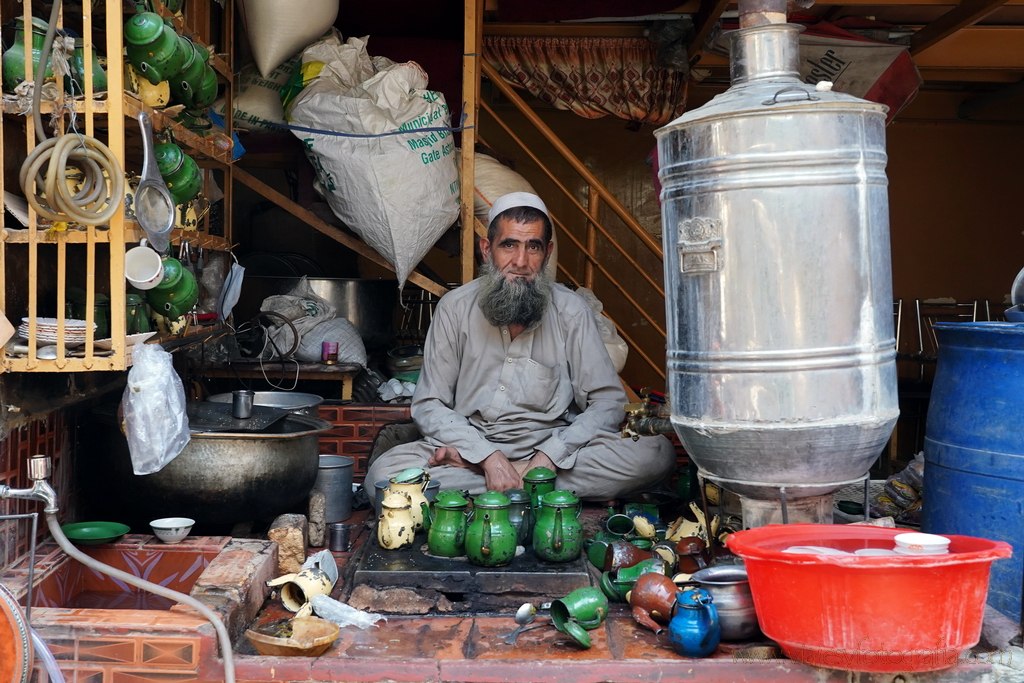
[
  {"x": 339, "y": 537},
  {"x": 241, "y": 403}
]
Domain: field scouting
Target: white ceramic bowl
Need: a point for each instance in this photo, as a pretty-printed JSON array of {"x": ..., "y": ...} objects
[
  {"x": 172, "y": 529},
  {"x": 916, "y": 543}
]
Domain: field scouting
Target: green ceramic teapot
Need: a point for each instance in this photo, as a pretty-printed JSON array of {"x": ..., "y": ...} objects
[
  {"x": 490, "y": 537},
  {"x": 176, "y": 293},
  {"x": 447, "y": 524},
  {"x": 179, "y": 171},
  {"x": 195, "y": 85},
  {"x": 537, "y": 482},
  {"x": 557, "y": 533},
  {"x": 153, "y": 48},
  {"x": 75, "y": 82},
  {"x": 14, "y": 56}
]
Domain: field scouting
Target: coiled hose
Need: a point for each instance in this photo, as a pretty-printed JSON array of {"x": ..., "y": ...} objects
[{"x": 95, "y": 203}]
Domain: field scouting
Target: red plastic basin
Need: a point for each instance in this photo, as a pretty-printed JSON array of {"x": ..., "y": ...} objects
[{"x": 866, "y": 613}]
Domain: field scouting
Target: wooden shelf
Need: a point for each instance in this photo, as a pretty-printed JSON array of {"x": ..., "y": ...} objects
[
  {"x": 98, "y": 104},
  {"x": 343, "y": 373},
  {"x": 194, "y": 141},
  {"x": 132, "y": 233}
]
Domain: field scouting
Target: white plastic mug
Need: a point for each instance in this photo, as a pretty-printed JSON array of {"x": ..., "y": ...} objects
[{"x": 143, "y": 267}]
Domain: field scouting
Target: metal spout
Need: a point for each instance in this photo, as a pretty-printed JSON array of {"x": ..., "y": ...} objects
[
  {"x": 646, "y": 419},
  {"x": 39, "y": 469}
]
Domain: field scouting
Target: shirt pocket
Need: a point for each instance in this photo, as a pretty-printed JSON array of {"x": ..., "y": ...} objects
[{"x": 538, "y": 387}]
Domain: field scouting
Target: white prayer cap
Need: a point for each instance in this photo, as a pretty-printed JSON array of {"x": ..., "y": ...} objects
[{"x": 514, "y": 199}]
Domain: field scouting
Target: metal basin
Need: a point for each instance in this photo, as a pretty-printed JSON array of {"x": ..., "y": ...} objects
[
  {"x": 293, "y": 402},
  {"x": 220, "y": 478}
]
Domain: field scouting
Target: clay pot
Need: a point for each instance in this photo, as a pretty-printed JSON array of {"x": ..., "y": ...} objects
[
  {"x": 693, "y": 555},
  {"x": 622, "y": 554},
  {"x": 652, "y": 598}
]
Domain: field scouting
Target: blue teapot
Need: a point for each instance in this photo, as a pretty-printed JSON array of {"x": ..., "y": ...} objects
[{"x": 694, "y": 630}]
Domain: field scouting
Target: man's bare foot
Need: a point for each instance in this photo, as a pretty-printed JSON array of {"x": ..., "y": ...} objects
[{"x": 450, "y": 456}]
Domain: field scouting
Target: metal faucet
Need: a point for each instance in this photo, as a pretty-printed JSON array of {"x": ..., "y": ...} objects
[
  {"x": 39, "y": 470},
  {"x": 647, "y": 418}
]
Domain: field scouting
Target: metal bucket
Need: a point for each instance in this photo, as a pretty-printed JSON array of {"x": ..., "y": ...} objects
[
  {"x": 334, "y": 480},
  {"x": 781, "y": 357},
  {"x": 973, "y": 451},
  {"x": 730, "y": 590}
]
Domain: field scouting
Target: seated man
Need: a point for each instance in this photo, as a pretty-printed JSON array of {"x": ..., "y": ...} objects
[{"x": 515, "y": 376}]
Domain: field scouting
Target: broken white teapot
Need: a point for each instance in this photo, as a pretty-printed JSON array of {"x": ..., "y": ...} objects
[{"x": 316, "y": 577}]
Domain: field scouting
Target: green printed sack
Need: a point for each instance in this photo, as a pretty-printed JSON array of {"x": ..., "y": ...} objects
[{"x": 386, "y": 159}]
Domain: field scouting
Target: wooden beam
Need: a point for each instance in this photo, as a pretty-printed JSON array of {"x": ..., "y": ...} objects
[
  {"x": 335, "y": 233},
  {"x": 994, "y": 49},
  {"x": 967, "y": 13},
  {"x": 473, "y": 21},
  {"x": 705, "y": 19}
]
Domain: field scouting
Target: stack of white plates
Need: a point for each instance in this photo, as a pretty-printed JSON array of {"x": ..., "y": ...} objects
[{"x": 46, "y": 330}]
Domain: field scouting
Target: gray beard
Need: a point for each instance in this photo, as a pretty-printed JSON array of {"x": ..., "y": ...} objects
[{"x": 519, "y": 302}]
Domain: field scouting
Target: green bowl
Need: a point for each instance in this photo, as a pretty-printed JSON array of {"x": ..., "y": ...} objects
[{"x": 94, "y": 533}]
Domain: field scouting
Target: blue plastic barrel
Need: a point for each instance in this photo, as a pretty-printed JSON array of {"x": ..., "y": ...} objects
[{"x": 974, "y": 446}]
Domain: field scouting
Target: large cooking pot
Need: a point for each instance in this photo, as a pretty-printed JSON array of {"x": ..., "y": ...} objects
[{"x": 220, "y": 478}]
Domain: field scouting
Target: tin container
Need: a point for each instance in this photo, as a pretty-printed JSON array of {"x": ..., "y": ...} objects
[
  {"x": 775, "y": 215},
  {"x": 241, "y": 403}
]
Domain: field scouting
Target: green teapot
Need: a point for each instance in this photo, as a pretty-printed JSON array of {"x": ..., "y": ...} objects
[
  {"x": 153, "y": 48},
  {"x": 176, "y": 293},
  {"x": 446, "y": 522},
  {"x": 14, "y": 56},
  {"x": 557, "y": 532},
  {"x": 195, "y": 84},
  {"x": 180, "y": 172},
  {"x": 75, "y": 82},
  {"x": 137, "y": 313},
  {"x": 537, "y": 482},
  {"x": 490, "y": 536}
]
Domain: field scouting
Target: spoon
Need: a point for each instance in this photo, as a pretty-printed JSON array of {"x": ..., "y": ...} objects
[{"x": 526, "y": 613}]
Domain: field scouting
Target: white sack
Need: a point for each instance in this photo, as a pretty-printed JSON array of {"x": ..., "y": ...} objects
[
  {"x": 350, "y": 345},
  {"x": 277, "y": 29},
  {"x": 616, "y": 345},
  {"x": 257, "y": 101},
  {"x": 399, "y": 193}
]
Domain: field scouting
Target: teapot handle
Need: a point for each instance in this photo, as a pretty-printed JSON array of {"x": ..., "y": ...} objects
[
  {"x": 485, "y": 538},
  {"x": 425, "y": 509},
  {"x": 426, "y": 480}
]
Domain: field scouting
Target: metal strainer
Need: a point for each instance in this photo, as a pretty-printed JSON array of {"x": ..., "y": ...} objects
[{"x": 154, "y": 207}]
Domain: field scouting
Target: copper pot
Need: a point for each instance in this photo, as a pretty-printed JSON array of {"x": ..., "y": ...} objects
[
  {"x": 652, "y": 598},
  {"x": 622, "y": 554}
]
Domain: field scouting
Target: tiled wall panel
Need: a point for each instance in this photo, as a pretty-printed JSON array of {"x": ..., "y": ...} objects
[{"x": 47, "y": 436}]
